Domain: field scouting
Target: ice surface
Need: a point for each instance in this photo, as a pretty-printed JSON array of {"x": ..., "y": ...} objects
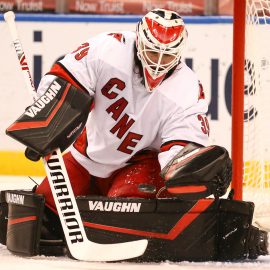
[{"x": 9, "y": 261}]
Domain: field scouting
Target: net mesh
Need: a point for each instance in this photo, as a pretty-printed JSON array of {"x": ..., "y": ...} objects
[{"x": 257, "y": 108}]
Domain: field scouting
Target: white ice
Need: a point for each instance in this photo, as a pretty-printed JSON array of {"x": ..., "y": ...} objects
[{"x": 9, "y": 261}]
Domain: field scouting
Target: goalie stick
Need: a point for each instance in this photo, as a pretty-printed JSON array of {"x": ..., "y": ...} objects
[{"x": 79, "y": 246}]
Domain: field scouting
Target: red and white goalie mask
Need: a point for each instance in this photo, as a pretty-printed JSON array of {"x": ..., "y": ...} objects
[{"x": 161, "y": 36}]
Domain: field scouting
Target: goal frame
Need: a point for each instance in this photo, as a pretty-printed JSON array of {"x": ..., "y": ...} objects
[{"x": 238, "y": 66}]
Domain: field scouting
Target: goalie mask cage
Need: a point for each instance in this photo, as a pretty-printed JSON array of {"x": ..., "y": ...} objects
[{"x": 251, "y": 106}]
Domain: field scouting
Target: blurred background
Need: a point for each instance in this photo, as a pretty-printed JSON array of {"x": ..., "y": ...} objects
[{"x": 49, "y": 29}]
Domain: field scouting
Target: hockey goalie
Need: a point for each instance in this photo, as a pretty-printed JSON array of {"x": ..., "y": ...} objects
[{"x": 134, "y": 116}]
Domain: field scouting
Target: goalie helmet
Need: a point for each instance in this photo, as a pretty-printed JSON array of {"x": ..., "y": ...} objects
[{"x": 161, "y": 36}]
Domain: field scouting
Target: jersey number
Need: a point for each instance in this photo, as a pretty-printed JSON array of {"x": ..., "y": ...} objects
[
  {"x": 204, "y": 124},
  {"x": 82, "y": 51}
]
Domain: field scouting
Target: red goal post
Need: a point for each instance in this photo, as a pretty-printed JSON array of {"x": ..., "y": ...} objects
[
  {"x": 238, "y": 96},
  {"x": 251, "y": 106}
]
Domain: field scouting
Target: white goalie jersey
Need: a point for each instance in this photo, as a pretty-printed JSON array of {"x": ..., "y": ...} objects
[{"x": 126, "y": 118}]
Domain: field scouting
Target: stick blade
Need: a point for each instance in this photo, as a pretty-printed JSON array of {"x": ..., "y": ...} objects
[{"x": 94, "y": 252}]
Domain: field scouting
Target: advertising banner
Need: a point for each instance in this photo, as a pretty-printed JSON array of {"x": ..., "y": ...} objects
[
  {"x": 28, "y": 5},
  {"x": 187, "y": 7}
]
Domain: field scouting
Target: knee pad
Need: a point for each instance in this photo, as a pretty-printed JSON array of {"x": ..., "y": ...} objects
[
  {"x": 25, "y": 225},
  {"x": 3, "y": 219},
  {"x": 24, "y": 221}
]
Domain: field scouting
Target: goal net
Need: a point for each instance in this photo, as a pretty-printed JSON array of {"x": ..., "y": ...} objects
[{"x": 256, "y": 109}]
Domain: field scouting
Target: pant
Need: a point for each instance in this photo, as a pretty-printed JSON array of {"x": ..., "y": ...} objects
[{"x": 143, "y": 168}]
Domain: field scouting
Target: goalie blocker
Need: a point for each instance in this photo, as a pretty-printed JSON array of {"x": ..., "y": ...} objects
[
  {"x": 177, "y": 230},
  {"x": 54, "y": 120}
]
